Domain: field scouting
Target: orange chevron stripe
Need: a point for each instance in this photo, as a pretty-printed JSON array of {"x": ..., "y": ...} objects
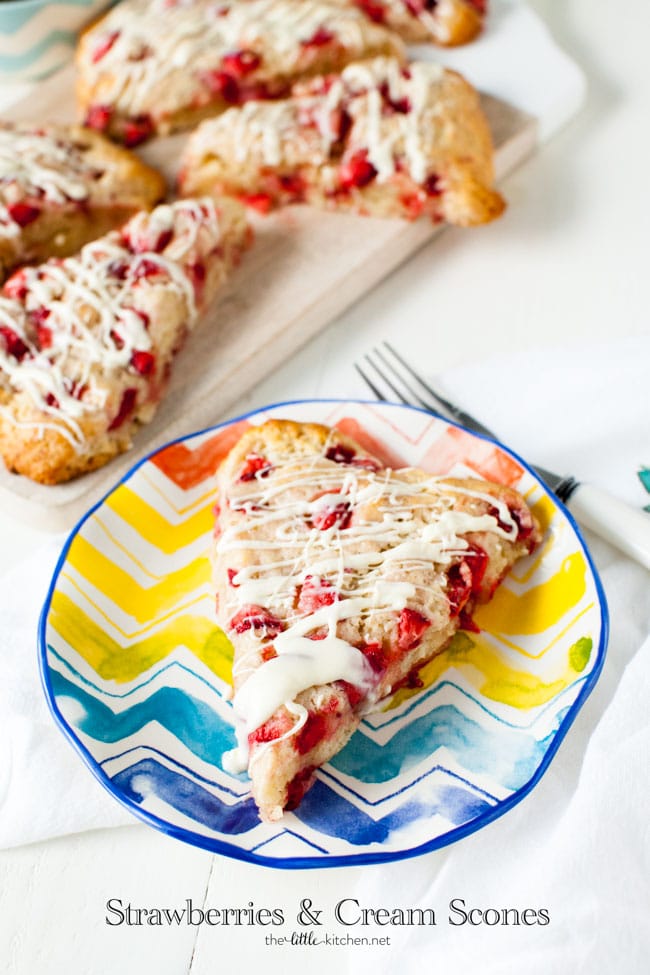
[
  {"x": 352, "y": 428},
  {"x": 187, "y": 468},
  {"x": 458, "y": 447}
]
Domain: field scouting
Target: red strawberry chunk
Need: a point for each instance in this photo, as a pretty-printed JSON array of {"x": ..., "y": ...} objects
[
  {"x": 136, "y": 130},
  {"x": 524, "y": 522},
  {"x": 477, "y": 560},
  {"x": 357, "y": 171},
  {"x": 459, "y": 586},
  {"x": 319, "y": 39},
  {"x": 298, "y": 786},
  {"x": 311, "y": 734},
  {"x": 262, "y": 202},
  {"x": 432, "y": 185},
  {"x": 340, "y": 454},
  {"x": 293, "y": 185},
  {"x": 14, "y": 345},
  {"x": 268, "y": 653},
  {"x": 375, "y": 655},
  {"x": 467, "y": 623},
  {"x": 231, "y": 577},
  {"x": 256, "y": 618},
  {"x": 314, "y": 594},
  {"x": 23, "y": 213},
  {"x": 275, "y": 727},
  {"x": 98, "y": 117},
  {"x": 223, "y": 84},
  {"x": 143, "y": 362},
  {"x": 373, "y": 9},
  {"x": 354, "y": 694},
  {"x": 340, "y": 515},
  {"x": 147, "y": 269},
  {"x": 127, "y": 405},
  {"x": 16, "y": 287},
  {"x": 104, "y": 46},
  {"x": 238, "y": 64},
  {"x": 410, "y": 627},
  {"x": 255, "y": 466},
  {"x": 52, "y": 401}
]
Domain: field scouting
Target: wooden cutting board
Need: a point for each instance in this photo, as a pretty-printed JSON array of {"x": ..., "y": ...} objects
[{"x": 304, "y": 269}]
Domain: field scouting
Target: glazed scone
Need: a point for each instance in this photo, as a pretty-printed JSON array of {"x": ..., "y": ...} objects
[
  {"x": 87, "y": 343},
  {"x": 445, "y": 22},
  {"x": 63, "y": 185},
  {"x": 381, "y": 139},
  {"x": 336, "y": 579},
  {"x": 155, "y": 66}
]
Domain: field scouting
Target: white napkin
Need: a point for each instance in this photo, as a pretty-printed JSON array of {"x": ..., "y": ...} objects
[{"x": 581, "y": 411}]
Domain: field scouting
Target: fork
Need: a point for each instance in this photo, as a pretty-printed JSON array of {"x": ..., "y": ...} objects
[{"x": 617, "y": 522}]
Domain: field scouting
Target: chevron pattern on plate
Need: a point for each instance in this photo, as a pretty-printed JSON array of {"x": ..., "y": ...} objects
[
  {"x": 138, "y": 672},
  {"x": 37, "y": 36}
]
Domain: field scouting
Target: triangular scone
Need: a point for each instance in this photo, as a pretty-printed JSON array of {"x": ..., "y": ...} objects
[
  {"x": 155, "y": 66},
  {"x": 87, "y": 343},
  {"x": 445, "y": 22},
  {"x": 337, "y": 578},
  {"x": 63, "y": 185},
  {"x": 380, "y": 139}
]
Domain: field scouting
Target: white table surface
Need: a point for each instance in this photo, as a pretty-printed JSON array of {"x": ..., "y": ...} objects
[{"x": 569, "y": 262}]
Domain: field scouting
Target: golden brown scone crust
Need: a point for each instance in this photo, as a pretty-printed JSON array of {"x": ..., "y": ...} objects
[
  {"x": 143, "y": 86},
  {"x": 117, "y": 184},
  {"x": 435, "y": 161},
  {"x": 281, "y": 462},
  {"x": 30, "y": 439}
]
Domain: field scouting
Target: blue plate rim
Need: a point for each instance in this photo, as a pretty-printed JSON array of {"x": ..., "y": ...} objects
[{"x": 335, "y": 860}]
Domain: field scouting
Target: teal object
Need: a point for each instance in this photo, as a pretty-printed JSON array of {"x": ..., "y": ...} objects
[{"x": 38, "y": 37}]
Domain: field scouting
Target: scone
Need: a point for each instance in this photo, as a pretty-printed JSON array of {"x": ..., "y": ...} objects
[
  {"x": 155, "y": 66},
  {"x": 61, "y": 186},
  {"x": 87, "y": 343},
  {"x": 380, "y": 139},
  {"x": 336, "y": 579},
  {"x": 445, "y": 22}
]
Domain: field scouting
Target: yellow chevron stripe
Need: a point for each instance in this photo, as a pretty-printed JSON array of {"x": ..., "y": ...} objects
[
  {"x": 113, "y": 662},
  {"x": 139, "y": 631},
  {"x": 538, "y": 608},
  {"x": 202, "y": 499},
  {"x": 153, "y": 526},
  {"x": 483, "y": 669},
  {"x": 117, "y": 585},
  {"x": 538, "y": 656}
]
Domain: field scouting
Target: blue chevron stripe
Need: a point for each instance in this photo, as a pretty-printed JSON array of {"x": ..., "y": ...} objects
[
  {"x": 184, "y": 769},
  {"x": 15, "y": 62},
  {"x": 324, "y": 810},
  {"x": 508, "y": 757},
  {"x": 150, "y": 777},
  {"x": 435, "y": 769},
  {"x": 188, "y": 719}
]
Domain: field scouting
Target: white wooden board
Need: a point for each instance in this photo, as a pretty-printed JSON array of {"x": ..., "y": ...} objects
[{"x": 304, "y": 269}]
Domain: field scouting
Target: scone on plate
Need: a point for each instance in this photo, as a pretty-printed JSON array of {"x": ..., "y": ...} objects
[
  {"x": 381, "y": 139},
  {"x": 445, "y": 22},
  {"x": 155, "y": 66},
  {"x": 61, "y": 186},
  {"x": 87, "y": 343},
  {"x": 336, "y": 579}
]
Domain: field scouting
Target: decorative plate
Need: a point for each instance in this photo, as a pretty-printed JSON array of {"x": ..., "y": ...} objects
[{"x": 137, "y": 671}]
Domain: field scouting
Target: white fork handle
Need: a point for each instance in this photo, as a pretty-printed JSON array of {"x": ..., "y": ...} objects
[{"x": 619, "y": 523}]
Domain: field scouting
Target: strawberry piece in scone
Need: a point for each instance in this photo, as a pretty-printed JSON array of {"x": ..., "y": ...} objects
[
  {"x": 155, "y": 66},
  {"x": 61, "y": 186},
  {"x": 87, "y": 343},
  {"x": 336, "y": 580},
  {"x": 380, "y": 139}
]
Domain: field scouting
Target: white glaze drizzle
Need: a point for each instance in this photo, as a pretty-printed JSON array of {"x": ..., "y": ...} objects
[
  {"x": 281, "y": 502},
  {"x": 267, "y": 130},
  {"x": 38, "y": 164},
  {"x": 157, "y": 38},
  {"x": 88, "y": 307}
]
